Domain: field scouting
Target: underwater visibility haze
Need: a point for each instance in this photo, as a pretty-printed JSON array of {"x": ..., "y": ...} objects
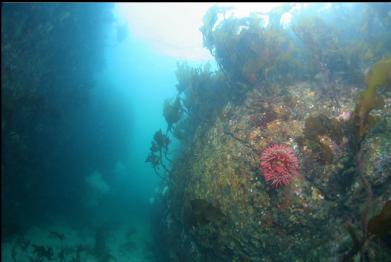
[{"x": 195, "y": 132}]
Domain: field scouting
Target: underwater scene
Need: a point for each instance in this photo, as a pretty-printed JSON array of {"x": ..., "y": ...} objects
[{"x": 195, "y": 132}]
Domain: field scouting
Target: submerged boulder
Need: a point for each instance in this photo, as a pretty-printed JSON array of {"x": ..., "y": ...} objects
[
  {"x": 229, "y": 212},
  {"x": 289, "y": 162}
]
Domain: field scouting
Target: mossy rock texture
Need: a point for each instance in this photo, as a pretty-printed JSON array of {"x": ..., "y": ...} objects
[{"x": 247, "y": 218}]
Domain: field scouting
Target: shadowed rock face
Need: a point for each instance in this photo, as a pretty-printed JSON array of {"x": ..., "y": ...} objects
[
  {"x": 381, "y": 224},
  {"x": 201, "y": 212}
]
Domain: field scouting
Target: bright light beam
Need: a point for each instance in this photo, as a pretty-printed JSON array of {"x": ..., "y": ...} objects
[{"x": 172, "y": 29}]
